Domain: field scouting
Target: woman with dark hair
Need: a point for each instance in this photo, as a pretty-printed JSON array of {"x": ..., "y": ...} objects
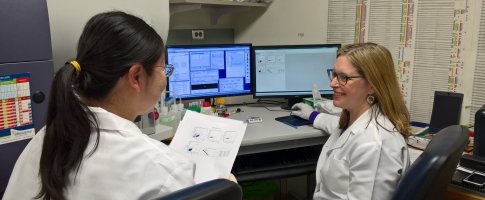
[
  {"x": 366, "y": 153},
  {"x": 90, "y": 148}
]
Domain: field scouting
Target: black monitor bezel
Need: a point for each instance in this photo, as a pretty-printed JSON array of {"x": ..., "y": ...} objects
[
  {"x": 297, "y": 46},
  {"x": 251, "y": 62},
  {"x": 437, "y": 115}
]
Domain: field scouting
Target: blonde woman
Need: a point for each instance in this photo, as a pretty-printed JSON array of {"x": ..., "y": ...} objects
[{"x": 366, "y": 153}]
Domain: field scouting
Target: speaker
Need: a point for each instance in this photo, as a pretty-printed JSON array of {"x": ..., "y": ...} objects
[{"x": 479, "y": 140}]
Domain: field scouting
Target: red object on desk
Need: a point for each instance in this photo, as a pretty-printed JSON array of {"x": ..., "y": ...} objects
[{"x": 206, "y": 104}]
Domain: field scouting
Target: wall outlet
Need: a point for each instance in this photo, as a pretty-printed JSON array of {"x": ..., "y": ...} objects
[{"x": 197, "y": 34}]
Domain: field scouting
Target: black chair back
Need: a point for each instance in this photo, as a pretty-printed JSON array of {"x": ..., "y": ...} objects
[
  {"x": 217, "y": 189},
  {"x": 428, "y": 177}
]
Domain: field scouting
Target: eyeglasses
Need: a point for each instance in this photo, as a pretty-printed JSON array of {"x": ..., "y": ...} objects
[
  {"x": 169, "y": 70},
  {"x": 341, "y": 78}
]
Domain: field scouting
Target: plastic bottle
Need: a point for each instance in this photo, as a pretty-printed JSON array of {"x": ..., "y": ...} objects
[
  {"x": 317, "y": 97},
  {"x": 181, "y": 109},
  {"x": 206, "y": 108},
  {"x": 165, "y": 117},
  {"x": 316, "y": 92},
  {"x": 221, "y": 109},
  {"x": 176, "y": 116}
]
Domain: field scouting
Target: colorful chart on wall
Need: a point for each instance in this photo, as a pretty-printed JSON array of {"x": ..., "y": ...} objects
[{"x": 16, "y": 120}]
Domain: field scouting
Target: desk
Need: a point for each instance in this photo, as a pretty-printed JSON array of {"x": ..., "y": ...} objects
[
  {"x": 456, "y": 192},
  {"x": 271, "y": 136}
]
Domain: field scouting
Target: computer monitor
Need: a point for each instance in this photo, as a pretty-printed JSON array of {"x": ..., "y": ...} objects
[
  {"x": 208, "y": 71},
  {"x": 289, "y": 71},
  {"x": 446, "y": 110}
]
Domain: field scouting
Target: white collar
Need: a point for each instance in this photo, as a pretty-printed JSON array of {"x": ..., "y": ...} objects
[
  {"x": 361, "y": 121},
  {"x": 111, "y": 121},
  {"x": 359, "y": 124}
]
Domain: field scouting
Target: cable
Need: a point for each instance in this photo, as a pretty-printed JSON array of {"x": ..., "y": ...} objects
[
  {"x": 278, "y": 110},
  {"x": 269, "y": 101}
]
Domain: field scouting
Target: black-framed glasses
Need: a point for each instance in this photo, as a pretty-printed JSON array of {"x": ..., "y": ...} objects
[
  {"x": 169, "y": 70},
  {"x": 341, "y": 78}
]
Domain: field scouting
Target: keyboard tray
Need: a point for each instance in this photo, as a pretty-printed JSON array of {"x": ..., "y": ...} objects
[{"x": 277, "y": 160}]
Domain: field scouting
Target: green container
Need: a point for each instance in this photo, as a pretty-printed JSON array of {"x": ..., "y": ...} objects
[
  {"x": 309, "y": 101},
  {"x": 194, "y": 108},
  {"x": 259, "y": 189}
]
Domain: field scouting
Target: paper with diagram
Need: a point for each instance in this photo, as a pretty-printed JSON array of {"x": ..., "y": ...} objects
[{"x": 211, "y": 142}]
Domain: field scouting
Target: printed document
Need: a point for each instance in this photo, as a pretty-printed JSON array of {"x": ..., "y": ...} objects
[{"x": 211, "y": 142}]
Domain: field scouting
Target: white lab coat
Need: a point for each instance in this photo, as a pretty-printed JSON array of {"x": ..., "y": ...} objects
[
  {"x": 366, "y": 161},
  {"x": 126, "y": 165}
]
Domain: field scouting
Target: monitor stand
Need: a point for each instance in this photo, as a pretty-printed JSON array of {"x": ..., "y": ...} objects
[{"x": 292, "y": 101}]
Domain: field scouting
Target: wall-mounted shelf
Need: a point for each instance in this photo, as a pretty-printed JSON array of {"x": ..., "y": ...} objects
[
  {"x": 219, "y": 7},
  {"x": 217, "y": 3}
]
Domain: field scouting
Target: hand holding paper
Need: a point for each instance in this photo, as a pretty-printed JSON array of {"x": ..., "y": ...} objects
[{"x": 211, "y": 142}]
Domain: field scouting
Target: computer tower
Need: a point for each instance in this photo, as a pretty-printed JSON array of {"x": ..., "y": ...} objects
[{"x": 479, "y": 140}]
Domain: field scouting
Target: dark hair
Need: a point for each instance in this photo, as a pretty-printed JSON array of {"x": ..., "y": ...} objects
[{"x": 110, "y": 43}]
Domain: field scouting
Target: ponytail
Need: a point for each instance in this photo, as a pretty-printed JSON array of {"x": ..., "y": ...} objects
[
  {"x": 110, "y": 43},
  {"x": 68, "y": 128}
]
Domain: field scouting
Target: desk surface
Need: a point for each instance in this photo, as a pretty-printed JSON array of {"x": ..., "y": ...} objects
[
  {"x": 273, "y": 138},
  {"x": 459, "y": 193},
  {"x": 271, "y": 134}
]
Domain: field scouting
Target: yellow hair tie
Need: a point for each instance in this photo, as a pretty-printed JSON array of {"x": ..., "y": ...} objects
[{"x": 76, "y": 65}]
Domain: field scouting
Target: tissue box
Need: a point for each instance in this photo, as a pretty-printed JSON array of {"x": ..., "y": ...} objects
[{"x": 309, "y": 101}]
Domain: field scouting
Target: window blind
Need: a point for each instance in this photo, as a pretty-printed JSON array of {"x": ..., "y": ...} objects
[
  {"x": 431, "y": 68},
  {"x": 385, "y": 24},
  {"x": 478, "y": 91},
  {"x": 341, "y": 21}
]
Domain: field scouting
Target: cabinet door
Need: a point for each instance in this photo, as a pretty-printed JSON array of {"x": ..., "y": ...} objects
[
  {"x": 41, "y": 74},
  {"x": 24, "y": 31}
]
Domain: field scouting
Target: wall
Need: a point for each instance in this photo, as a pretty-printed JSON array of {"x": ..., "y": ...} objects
[
  {"x": 282, "y": 22},
  {"x": 68, "y": 17}
]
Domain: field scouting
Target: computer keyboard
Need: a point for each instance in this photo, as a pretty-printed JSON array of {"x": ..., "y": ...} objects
[
  {"x": 276, "y": 160},
  {"x": 458, "y": 178}
]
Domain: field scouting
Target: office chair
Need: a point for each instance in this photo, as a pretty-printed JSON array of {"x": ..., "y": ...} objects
[
  {"x": 217, "y": 189},
  {"x": 428, "y": 177}
]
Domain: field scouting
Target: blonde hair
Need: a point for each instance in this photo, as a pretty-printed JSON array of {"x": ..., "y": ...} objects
[{"x": 374, "y": 62}]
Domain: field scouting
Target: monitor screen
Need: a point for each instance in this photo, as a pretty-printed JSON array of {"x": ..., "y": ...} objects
[
  {"x": 291, "y": 70},
  {"x": 446, "y": 110},
  {"x": 207, "y": 71}
]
